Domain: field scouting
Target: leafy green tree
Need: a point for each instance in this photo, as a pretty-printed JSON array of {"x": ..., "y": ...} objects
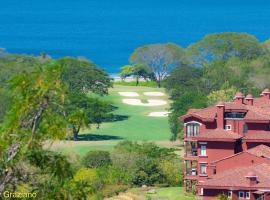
[
  {"x": 258, "y": 72},
  {"x": 142, "y": 71},
  {"x": 146, "y": 164},
  {"x": 126, "y": 71},
  {"x": 180, "y": 106},
  {"x": 138, "y": 71},
  {"x": 36, "y": 115},
  {"x": 225, "y": 95},
  {"x": 11, "y": 65},
  {"x": 84, "y": 76},
  {"x": 223, "y": 46},
  {"x": 94, "y": 159},
  {"x": 99, "y": 111},
  {"x": 81, "y": 111},
  {"x": 77, "y": 108},
  {"x": 161, "y": 58},
  {"x": 234, "y": 71},
  {"x": 184, "y": 79}
]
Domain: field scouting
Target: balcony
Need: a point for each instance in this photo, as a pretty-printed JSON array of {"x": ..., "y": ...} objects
[
  {"x": 191, "y": 149},
  {"x": 192, "y": 172}
]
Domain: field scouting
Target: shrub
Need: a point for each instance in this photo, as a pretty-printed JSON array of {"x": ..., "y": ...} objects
[
  {"x": 95, "y": 159},
  {"x": 172, "y": 173},
  {"x": 147, "y": 164},
  {"x": 113, "y": 190},
  {"x": 222, "y": 197}
]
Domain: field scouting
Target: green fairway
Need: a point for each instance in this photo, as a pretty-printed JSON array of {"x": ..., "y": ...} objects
[{"x": 138, "y": 126}]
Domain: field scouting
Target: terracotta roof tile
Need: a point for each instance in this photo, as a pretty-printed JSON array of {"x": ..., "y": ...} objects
[
  {"x": 260, "y": 151},
  {"x": 237, "y": 178},
  {"x": 263, "y": 135},
  {"x": 259, "y": 111},
  {"x": 218, "y": 134},
  {"x": 204, "y": 114}
]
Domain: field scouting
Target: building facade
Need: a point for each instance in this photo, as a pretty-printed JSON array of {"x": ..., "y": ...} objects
[{"x": 227, "y": 136}]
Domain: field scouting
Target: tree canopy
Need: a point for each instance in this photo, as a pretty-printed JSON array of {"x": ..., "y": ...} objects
[
  {"x": 223, "y": 46},
  {"x": 161, "y": 58}
]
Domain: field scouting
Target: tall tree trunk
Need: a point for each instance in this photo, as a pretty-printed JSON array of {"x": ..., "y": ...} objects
[
  {"x": 137, "y": 80},
  {"x": 75, "y": 133},
  {"x": 159, "y": 83}
]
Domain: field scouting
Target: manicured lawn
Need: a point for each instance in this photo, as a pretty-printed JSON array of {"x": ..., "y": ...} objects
[
  {"x": 134, "y": 124},
  {"x": 138, "y": 126}
]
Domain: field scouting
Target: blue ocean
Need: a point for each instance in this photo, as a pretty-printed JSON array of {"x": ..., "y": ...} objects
[{"x": 107, "y": 31}]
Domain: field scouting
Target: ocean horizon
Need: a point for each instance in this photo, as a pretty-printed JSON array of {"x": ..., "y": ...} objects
[{"x": 107, "y": 31}]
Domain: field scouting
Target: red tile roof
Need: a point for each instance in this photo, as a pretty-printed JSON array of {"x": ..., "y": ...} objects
[
  {"x": 236, "y": 178},
  {"x": 218, "y": 135},
  {"x": 263, "y": 135},
  {"x": 205, "y": 114},
  {"x": 257, "y": 113},
  {"x": 260, "y": 111},
  {"x": 260, "y": 151}
]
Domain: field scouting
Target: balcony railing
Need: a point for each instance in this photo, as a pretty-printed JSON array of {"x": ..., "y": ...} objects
[
  {"x": 192, "y": 172},
  {"x": 194, "y": 152}
]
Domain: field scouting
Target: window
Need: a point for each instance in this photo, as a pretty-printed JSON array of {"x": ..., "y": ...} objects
[
  {"x": 260, "y": 197},
  {"x": 247, "y": 195},
  {"x": 203, "y": 169},
  {"x": 245, "y": 128},
  {"x": 241, "y": 195},
  {"x": 203, "y": 150},
  {"x": 230, "y": 194},
  {"x": 193, "y": 129},
  {"x": 235, "y": 115},
  {"x": 201, "y": 191},
  {"x": 228, "y": 127}
]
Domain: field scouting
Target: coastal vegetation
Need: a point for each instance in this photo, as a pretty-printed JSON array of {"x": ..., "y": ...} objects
[{"x": 66, "y": 121}]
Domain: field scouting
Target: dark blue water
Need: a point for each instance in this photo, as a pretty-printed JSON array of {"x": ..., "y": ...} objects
[{"x": 107, "y": 31}]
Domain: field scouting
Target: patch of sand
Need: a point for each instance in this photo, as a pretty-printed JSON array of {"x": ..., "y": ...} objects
[
  {"x": 138, "y": 102},
  {"x": 158, "y": 114},
  {"x": 129, "y": 94},
  {"x": 154, "y": 94}
]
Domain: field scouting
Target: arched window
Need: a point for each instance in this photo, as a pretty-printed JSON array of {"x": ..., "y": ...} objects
[{"x": 193, "y": 129}]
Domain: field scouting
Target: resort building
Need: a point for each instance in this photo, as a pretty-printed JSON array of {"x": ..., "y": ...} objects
[{"x": 227, "y": 148}]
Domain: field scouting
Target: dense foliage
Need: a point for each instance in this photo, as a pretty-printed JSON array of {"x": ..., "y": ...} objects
[
  {"x": 94, "y": 159},
  {"x": 44, "y": 108}
]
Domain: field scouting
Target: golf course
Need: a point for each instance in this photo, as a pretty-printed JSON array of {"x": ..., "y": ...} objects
[{"x": 140, "y": 115}]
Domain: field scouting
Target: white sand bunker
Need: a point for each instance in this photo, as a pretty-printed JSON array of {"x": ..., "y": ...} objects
[
  {"x": 129, "y": 94},
  {"x": 154, "y": 94},
  {"x": 159, "y": 114},
  {"x": 138, "y": 102}
]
